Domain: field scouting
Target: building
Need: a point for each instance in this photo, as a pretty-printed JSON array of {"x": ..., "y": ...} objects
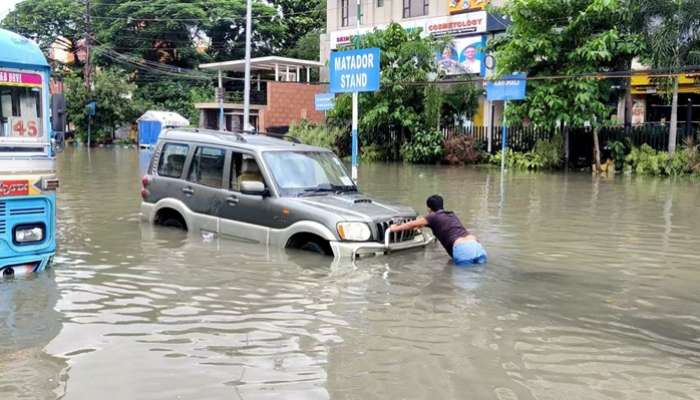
[
  {"x": 281, "y": 94},
  {"x": 649, "y": 105},
  {"x": 466, "y": 21}
]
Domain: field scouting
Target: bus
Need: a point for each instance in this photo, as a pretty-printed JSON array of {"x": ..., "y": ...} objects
[{"x": 28, "y": 147}]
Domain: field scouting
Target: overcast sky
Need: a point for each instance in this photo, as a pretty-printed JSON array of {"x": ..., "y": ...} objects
[{"x": 6, "y": 6}]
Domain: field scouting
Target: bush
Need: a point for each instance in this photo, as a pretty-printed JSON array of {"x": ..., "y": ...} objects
[
  {"x": 425, "y": 148},
  {"x": 461, "y": 149},
  {"x": 645, "y": 160},
  {"x": 547, "y": 154},
  {"x": 373, "y": 153},
  {"x": 550, "y": 153},
  {"x": 316, "y": 134}
]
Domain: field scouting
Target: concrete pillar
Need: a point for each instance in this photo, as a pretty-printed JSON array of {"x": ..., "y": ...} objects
[
  {"x": 277, "y": 72},
  {"x": 298, "y": 78},
  {"x": 287, "y": 78},
  {"x": 308, "y": 74}
]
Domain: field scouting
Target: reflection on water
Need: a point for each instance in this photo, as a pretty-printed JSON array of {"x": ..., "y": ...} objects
[{"x": 589, "y": 293}]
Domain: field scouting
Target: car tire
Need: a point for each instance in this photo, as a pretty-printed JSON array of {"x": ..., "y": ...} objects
[
  {"x": 173, "y": 223},
  {"x": 314, "y": 247}
]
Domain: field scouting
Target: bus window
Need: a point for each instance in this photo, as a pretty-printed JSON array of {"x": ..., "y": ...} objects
[{"x": 20, "y": 112}]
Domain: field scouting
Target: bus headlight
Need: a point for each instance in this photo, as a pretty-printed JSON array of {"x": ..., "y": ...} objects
[
  {"x": 27, "y": 234},
  {"x": 354, "y": 231}
]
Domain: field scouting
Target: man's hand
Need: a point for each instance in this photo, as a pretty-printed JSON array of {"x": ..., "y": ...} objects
[{"x": 394, "y": 228}]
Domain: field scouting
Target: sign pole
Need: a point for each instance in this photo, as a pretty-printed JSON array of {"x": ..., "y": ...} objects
[
  {"x": 354, "y": 135},
  {"x": 504, "y": 131},
  {"x": 355, "y": 106},
  {"x": 88, "y": 138}
]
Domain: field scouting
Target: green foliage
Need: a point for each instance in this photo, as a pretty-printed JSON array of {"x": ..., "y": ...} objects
[
  {"x": 307, "y": 47},
  {"x": 425, "y": 148},
  {"x": 550, "y": 152},
  {"x": 618, "y": 151},
  {"x": 432, "y": 106},
  {"x": 112, "y": 93},
  {"x": 301, "y": 19},
  {"x": 547, "y": 154},
  {"x": 373, "y": 153},
  {"x": 563, "y": 37},
  {"x": 397, "y": 109},
  {"x": 48, "y": 21},
  {"x": 315, "y": 134},
  {"x": 459, "y": 102},
  {"x": 645, "y": 160},
  {"x": 174, "y": 95}
]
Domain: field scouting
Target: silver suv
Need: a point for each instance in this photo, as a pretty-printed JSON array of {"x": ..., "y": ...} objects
[{"x": 260, "y": 189}]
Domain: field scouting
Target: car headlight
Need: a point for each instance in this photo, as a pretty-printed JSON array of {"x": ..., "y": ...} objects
[
  {"x": 354, "y": 231},
  {"x": 26, "y": 234}
]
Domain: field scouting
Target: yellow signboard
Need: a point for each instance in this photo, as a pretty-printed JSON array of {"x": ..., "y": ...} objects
[{"x": 458, "y": 6}]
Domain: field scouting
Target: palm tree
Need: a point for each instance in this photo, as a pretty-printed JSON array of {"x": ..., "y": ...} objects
[{"x": 672, "y": 33}]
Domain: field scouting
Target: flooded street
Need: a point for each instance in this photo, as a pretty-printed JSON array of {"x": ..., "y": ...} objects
[{"x": 591, "y": 292}]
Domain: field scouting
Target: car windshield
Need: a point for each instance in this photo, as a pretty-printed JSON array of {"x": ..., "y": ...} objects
[{"x": 309, "y": 172}]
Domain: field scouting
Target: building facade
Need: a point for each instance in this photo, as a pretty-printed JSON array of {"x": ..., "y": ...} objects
[{"x": 466, "y": 21}]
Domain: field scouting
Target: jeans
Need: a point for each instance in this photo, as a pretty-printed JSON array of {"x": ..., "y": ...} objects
[{"x": 468, "y": 252}]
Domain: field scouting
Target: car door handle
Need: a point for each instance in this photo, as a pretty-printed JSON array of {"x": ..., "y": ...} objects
[
  {"x": 187, "y": 191},
  {"x": 232, "y": 200}
]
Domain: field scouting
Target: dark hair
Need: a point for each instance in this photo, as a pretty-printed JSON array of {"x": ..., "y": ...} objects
[{"x": 434, "y": 202}]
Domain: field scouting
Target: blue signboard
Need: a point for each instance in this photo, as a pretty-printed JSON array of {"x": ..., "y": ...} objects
[
  {"x": 354, "y": 71},
  {"x": 510, "y": 87},
  {"x": 91, "y": 107},
  {"x": 324, "y": 101}
]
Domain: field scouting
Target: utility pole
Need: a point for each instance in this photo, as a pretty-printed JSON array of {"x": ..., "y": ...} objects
[
  {"x": 87, "y": 71},
  {"x": 246, "y": 84}
]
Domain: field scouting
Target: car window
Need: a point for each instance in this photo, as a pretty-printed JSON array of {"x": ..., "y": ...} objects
[
  {"x": 243, "y": 168},
  {"x": 207, "y": 167},
  {"x": 172, "y": 160}
]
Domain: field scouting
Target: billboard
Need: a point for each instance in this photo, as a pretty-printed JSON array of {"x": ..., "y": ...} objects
[
  {"x": 462, "y": 56},
  {"x": 453, "y": 25},
  {"x": 459, "y": 6}
]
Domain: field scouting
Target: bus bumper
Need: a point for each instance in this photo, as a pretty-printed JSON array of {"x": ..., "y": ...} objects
[{"x": 24, "y": 265}]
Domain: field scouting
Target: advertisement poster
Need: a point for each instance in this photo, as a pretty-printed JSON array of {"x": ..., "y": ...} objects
[
  {"x": 462, "y": 56},
  {"x": 458, "y": 6}
]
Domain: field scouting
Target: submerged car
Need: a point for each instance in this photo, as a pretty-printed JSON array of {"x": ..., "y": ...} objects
[{"x": 261, "y": 189}]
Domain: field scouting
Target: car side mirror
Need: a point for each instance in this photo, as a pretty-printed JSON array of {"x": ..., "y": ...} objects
[{"x": 255, "y": 188}]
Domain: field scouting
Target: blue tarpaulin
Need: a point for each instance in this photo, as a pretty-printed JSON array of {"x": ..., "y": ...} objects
[{"x": 153, "y": 122}]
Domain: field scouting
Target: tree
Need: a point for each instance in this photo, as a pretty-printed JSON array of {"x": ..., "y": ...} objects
[
  {"x": 672, "y": 34},
  {"x": 307, "y": 47},
  {"x": 227, "y": 30},
  {"x": 156, "y": 30},
  {"x": 393, "y": 114},
  {"x": 171, "y": 94},
  {"x": 113, "y": 95},
  {"x": 460, "y": 102},
  {"x": 48, "y": 22},
  {"x": 301, "y": 18},
  {"x": 570, "y": 39}
]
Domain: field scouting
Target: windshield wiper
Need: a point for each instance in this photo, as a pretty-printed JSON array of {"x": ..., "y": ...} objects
[
  {"x": 317, "y": 189},
  {"x": 345, "y": 188}
]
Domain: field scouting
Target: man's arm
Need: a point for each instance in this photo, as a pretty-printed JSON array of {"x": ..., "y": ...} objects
[{"x": 419, "y": 222}]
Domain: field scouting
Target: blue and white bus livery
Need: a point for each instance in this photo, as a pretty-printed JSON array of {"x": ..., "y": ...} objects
[{"x": 27, "y": 165}]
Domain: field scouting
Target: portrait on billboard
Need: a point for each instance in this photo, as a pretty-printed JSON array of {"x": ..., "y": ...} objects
[
  {"x": 457, "y": 6},
  {"x": 448, "y": 61},
  {"x": 462, "y": 56}
]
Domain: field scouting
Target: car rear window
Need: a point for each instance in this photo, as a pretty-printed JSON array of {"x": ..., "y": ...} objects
[
  {"x": 208, "y": 167},
  {"x": 172, "y": 160}
]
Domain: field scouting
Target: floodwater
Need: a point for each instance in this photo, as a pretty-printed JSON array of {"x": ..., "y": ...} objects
[{"x": 591, "y": 292}]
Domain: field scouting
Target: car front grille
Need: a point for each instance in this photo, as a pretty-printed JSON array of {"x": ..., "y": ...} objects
[{"x": 395, "y": 237}]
